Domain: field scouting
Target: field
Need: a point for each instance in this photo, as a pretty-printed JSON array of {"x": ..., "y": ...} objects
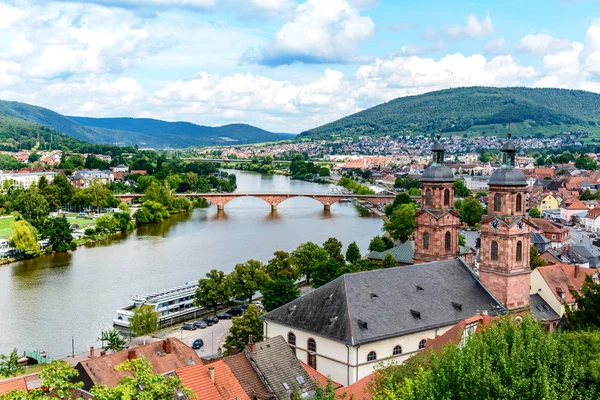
[{"x": 6, "y": 222}]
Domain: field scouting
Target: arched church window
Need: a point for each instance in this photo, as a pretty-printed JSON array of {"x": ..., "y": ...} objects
[
  {"x": 426, "y": 241},
  {"x": 447, "y": 241},
  {"x": 494, "y": 250},
  {"x": 519, "y": 206},
  {"x": 519, "y": 251},
  {"x": 428, "y": 197},
  {"x": 447, "y": 197},
  {"x": 497, "y": 202}
]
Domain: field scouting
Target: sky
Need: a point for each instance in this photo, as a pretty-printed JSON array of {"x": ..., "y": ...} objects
[{"x": 283, "y": 65}]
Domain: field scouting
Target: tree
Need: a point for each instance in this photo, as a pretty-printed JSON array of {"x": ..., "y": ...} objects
[
  {"x": 281, "y": 266},
  {"x": 279, "y": 292},
  {"x": 114, "y": 341},
  {"x": 306, "y": 257},
  {"x": 586, "y": 195},
  {"x": 535, "y": 213},
  {"x": 107, "y": 223},
  {"x": 460, "y": 189},
  {"x": 213, "y": 290},
  {"x": 325, "y": 272},
  {"x": 58, "y": 232},
  {"x": 249, "y": 324},
  {"x": 377, "y": 244},
  {"x": 471, "y": 211},
  {"x": 324, "y": 171},
  {"x": 534, "y": 258},
  {"x": 461, "y": 240},
  {"x": 144, "y": 320},
  {"x": 333, "y": 247},
  {"x": 65, "y": 188},
  {"x": 24, "y": 238},
  {"x": 402, "y": 198},
  {"x": 352, "y": 253},
  {"x": 388, "y": 261},
  {"x": 248, "y": 278},
  {"x": 58, "y": 378},
  {"x": 401, "y": 223},
  {"x": 586, "y": 313},
  {"x": 139, "y": 383},
  {"x": 33, "y": 206},
  {"x": 33, "y": 157},
  {"x": 9, "y": 365},
  {"x": 586, "y": 162}
]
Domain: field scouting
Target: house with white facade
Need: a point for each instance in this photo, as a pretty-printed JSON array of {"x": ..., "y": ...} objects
[
  {"x": 592, "y": 220},
  {"x": 346, "y": 327},
  {"x": 24, "y": 180}
]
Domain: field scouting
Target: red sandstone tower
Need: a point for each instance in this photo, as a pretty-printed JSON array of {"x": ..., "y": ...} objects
[
  {"x": 506, "y": 235},
  {"x": 437, "y": 222}
]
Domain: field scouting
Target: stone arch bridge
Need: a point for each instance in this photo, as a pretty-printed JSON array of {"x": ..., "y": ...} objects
[{"x": 274, "y": 199}]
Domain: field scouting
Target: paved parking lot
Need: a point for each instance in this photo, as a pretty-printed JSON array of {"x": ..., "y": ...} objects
[{"x": 213, "y": 337}]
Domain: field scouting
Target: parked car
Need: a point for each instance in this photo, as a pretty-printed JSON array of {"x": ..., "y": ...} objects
[
  {"x": 214, "y": 319},
  {"x": 197, "y": 344},
  {"x": 188, "y": 327},
  {"x": 224, "y": 315},
  {"x": 236, "y": 311},
  {"x": 207, "y": 321},
  {"x": 82, "y": 215},
  {"x": 199, "y": 324},
  {"x": 244, "y": 306}
]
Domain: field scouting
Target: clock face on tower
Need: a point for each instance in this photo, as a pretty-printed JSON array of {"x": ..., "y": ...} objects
[
  {"x": 520, "y": 225},
  {"x": 495, "y": 225}
]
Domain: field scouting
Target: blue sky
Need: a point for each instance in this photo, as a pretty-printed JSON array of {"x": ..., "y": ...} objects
[{"x": 283, "y": 65}]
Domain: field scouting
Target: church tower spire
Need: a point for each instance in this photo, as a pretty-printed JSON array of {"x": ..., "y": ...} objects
[
  {"x": 437, "y": 222},
  {"x": 505, "y": 235}
]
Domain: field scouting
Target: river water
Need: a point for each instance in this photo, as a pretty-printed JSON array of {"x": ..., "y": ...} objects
[{"x": 46, "y": 301}]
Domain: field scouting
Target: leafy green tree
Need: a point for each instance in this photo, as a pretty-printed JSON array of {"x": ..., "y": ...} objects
[
  {"x": 150, "y": 212},
  {"x": 402, "y": 198},
  {"x": 325, "y": 272},
  {"x": 460, "y": 189},
  {"x": 326, "y": 393},
  {"x": 107, "y": 223},
  {"x": 33, "y": 206},
  {"x": 213, "y": 290},
  {"x": 65, "y": 188},
  {"x": 324, "y": 171},
  {"x": 24, "y": 238},
  {"x": 586, "y": 313},
  {"x": 58, "y": 233},
  {"x": 388, "y": 261},
  {"x": 586, "y": 162},
  {"x": 414, "y": 192},
  {"x": 59, "y": 377},
  {"x": 471, "y": 211},
  {"x": 364, "y": 265},
  {"x": 281, "y": 266},
  {"x": 401, "y": 224},
  {"x": 123, "y": 221},
  {"x": 377, "y": 244},
  {"x": 144, "y": 320},
  {"x": 586, "y": 195},
  {"x": 9, "y": 364},
  {"x": 114, "y": 341},
  {"x": 249, "y": 324},
  {"x": 333, "y": 247},
  {"x": 306, "y": 257},
  {"x": 139, "y": 383},
  {"x": 535, "y": 213},
  {"x": 353, "y": 253},
  {"x": 461, "y": 240},
  {"x": 534, "y": 258},
  {"x": 279, "y": 292},
  {"x": 248, "y": 278}
]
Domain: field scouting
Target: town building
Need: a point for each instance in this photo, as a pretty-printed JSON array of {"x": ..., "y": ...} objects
[
  {"x": 84, "y": 178},
  {"x": 572, "y": 208},
  {"x": 558, "y": 234},
  {"x": 24, "y": 180},
  {"x": 591, "y": 222}
]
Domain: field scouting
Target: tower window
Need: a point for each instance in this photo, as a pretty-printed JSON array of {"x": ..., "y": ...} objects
[
  {"x": 447, "y": 197},
  {"x": 292, "y": 338},
  {"x": 447, "y": 241},
  {"x": 426, "y": 241},
  {"x": 494, "y": 250},
  {"x": 428, "y": 197},
  {"x": 519, "y": 206},
  {"x": 519, "y": 251},
  {"x": 497, "y": 202},
  {"x": 312, "y": 345}
]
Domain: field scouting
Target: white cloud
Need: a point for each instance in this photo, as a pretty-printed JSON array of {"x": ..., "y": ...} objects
[
  {"x": 9, "y": 73},
  {"x": 543, "y": 44},
  {"x": 322, "y": 31},
  {"x": 9, "y": 16},
  {"x": 473, "y": 28},
  {"x": 495, "y": 46}
]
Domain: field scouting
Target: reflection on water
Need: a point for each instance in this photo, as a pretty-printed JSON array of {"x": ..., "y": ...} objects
[{"x": 47, "y": 300}]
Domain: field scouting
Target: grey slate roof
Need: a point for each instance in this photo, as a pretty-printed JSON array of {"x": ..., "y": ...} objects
[
  {"x": 437, "y": 173},
  {"x": 403, "y": 253},
  {"x": 277, "y": 364},
  {"x": 587, "y": 250},
  {"x": 508, "y": 176},
  {"x": 541, "y": 310},
  {"x": 368, "y": 306}
]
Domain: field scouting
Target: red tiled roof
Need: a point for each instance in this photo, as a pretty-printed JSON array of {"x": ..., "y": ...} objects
[
  {"x": 247, "y": 376},
  {"x": 356, "y": 391},
  {"x": 576, "y": 205},
  {"x": 12, "y": 384},
  {"x": 225, "y": 386},
  {"x": 454, "y": 334},
  {"x": 548, "y": 226},
  {"x": 561, "y": 279},
  {"x": 318, "y": 377},
  {"x": 593, "y": 213}
]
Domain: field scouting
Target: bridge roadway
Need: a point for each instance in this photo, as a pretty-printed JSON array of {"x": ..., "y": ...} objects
[{"x": 274, "y": 199}]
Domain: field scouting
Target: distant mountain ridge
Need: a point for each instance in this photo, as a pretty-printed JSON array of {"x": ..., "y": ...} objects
[
  {"x": 144, "y": 132},
  {"x": 462, "y": 109}
]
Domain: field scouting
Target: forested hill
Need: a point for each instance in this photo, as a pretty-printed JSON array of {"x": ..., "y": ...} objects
[
  {"x": 466, "y": 109},
  {"x": 130, "y": 131}
]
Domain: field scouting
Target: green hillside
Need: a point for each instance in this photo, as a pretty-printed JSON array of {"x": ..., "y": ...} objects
[{"x": 472, "y": 110}]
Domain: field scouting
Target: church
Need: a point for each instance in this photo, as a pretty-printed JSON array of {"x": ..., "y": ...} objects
[{"x": 346, "y": 327}]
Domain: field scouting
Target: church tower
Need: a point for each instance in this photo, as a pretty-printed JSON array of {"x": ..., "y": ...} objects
[
  {"x": 437, "y": 222},
  {"x": 505, "y": 235}
]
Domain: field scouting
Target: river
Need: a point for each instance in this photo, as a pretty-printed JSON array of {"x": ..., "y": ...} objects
[{"x": 46, "y": 301}]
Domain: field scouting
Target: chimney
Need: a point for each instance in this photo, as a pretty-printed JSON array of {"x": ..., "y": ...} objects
[
  {"x": 167, "y": 346},
  {"x": 251, "y": 345},
  {"x": 211, "y": 373},
  {"x": 576, "y": 273},
  {"x": 131, "y": 354},
  {"x": 102, "y": 353},
  {"x": 232, "y": 351},
  {"x": 91, "y": 351}
]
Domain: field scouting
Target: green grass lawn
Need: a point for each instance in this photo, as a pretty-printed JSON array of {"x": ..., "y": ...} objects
[{"x": 5, "y": 223}]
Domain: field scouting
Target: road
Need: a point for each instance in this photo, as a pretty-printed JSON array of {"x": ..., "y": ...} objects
[{"x": 213, "y": 337}]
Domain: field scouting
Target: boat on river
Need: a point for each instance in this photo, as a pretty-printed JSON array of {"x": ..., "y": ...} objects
[{"x": 173, "y": 305}]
